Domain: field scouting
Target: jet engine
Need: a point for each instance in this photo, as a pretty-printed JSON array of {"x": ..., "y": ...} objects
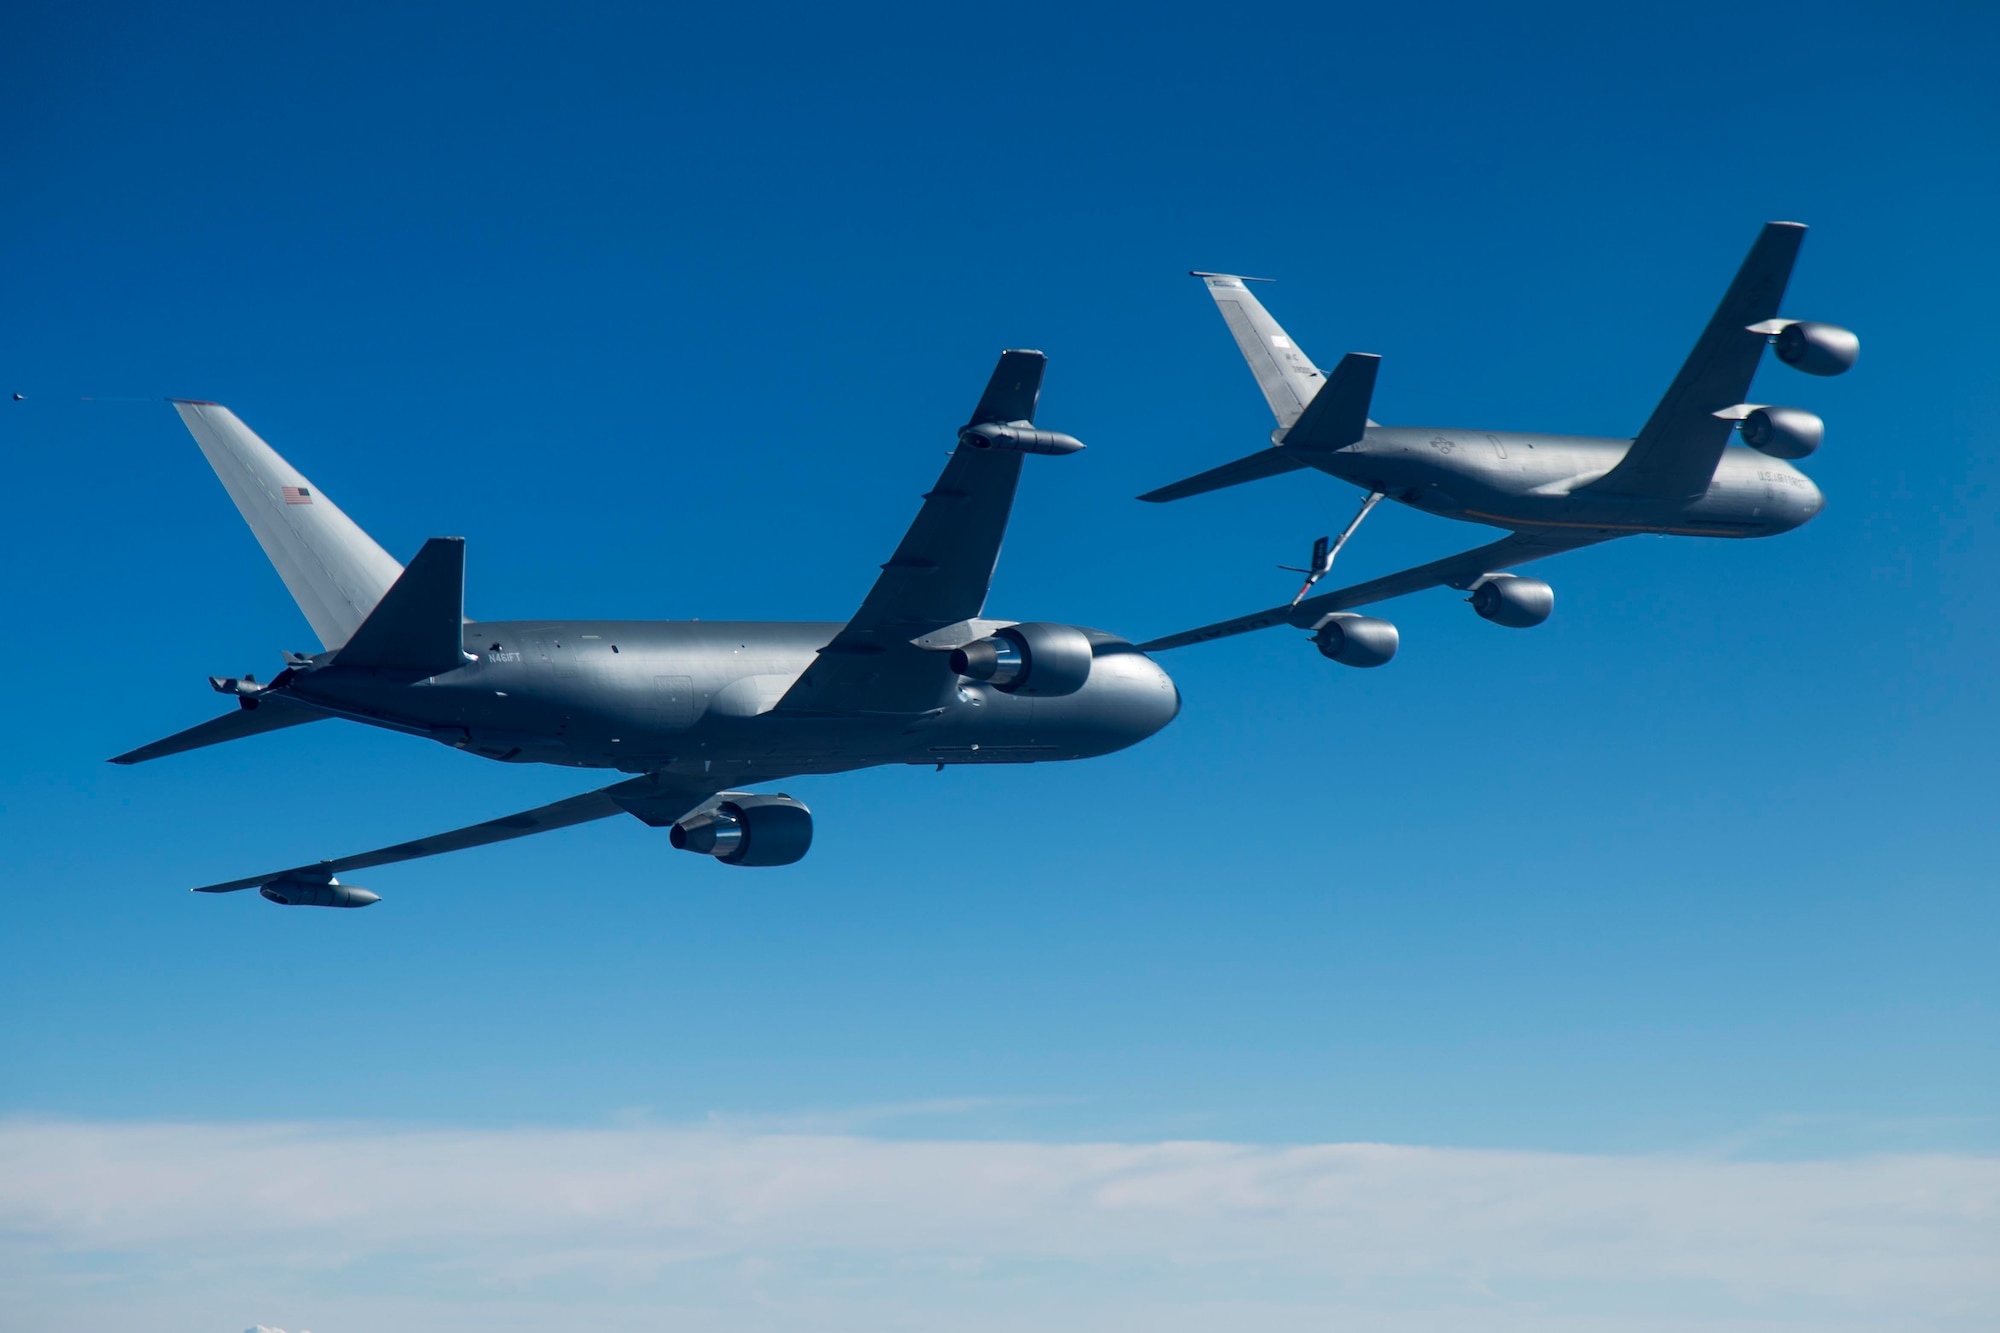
[
  {"x": 1817, "y": 349},
  {"x": 1357, "y": 641},
  {"x": 748, "y": 831},
  {"x": 1783, "y": 432},
  {"x": 1513, "y": 601},
  {"x": 1035, "y": 658}
]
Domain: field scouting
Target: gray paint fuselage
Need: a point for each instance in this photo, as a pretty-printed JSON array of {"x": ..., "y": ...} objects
[
  {"x": 702, "y": 699},
  {"x": 1523, "y": 481}
]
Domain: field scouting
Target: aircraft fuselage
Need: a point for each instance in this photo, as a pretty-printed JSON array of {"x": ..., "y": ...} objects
[
  {"x": 701, "y": 699},
  {"x": 1523, "y": 481}
]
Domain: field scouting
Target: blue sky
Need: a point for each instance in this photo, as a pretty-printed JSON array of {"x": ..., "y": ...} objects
[{"x": 673, "y": 315}]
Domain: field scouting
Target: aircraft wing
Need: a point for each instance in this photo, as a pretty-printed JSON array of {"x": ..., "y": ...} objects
[
  {"x": 938, "y": 576},
  {"x": 1457, "y": 571},
  {"x": 1675, "y": 455},
  {"x": 651, "y": 799}
]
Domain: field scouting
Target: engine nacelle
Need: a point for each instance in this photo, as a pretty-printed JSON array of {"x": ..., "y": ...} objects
[
  {"x": 1018, "y": 437},
  {"x": 1783, "y": 432},
  {"x": 306, "y": 891},
  {"x": 749, "y": 831},
  {"x": 1036, "y": 659},
  {"x": 1817, "y": 349},
  {"x": 1513, "y": 601},
  {"x": 1357, "y": 641}
]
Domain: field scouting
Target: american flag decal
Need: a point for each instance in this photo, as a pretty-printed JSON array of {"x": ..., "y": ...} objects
[{"x": 296, "y": 495}]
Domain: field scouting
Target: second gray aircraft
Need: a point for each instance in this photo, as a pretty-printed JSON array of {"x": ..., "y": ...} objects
[{"x": 1553, "y": 493}]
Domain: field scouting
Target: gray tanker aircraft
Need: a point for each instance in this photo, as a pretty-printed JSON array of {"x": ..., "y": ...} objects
[
  {"x": 695, "y": 709},
  {"x": 1553, "y": 493}
]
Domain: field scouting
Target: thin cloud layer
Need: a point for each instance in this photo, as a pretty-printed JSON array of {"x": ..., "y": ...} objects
[{"x": 470, "y": 1215}]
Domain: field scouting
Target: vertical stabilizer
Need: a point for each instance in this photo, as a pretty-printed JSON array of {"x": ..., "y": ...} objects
[
  {"x": 334, "y": 570},
  {"x": 1286, "y": 374}
]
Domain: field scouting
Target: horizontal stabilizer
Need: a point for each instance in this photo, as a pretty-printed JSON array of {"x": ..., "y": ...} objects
[
  {"x": 269, "y": 714},
  {"x": 419, "y": 625},
  {"x": 1264, "y": 463},
  {"x": 1338, "y": 413}
]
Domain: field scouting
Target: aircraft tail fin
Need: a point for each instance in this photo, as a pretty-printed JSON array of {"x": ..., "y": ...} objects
[
  {"x": 334, "y": 570},
  {"x": 419, "y": 625},
  {"x": 1286, "y": 374},
  {"x": 269, "y": 714}
]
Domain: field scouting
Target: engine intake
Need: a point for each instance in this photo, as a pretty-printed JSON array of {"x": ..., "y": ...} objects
[
  {"x": 1033, "y": 659},
  {"x": 1817, "y": 349},
  {"x": 1513, "y": 601},
  {"x": 1357, "y": 641},
  {"x": 748, "y": 831},
  {"x": 1783, "y": 432}
]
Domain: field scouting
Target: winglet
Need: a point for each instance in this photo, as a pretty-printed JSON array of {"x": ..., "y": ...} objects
[{"x": 419, "y": 623}]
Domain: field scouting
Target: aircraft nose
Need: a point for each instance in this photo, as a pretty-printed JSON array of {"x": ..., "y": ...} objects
[
  {"x": 1138, "y": 691},
  {"x": 1815, "y": 498},
  {"x": 1166, "y": 694},
  {"x": 1807, "y": 501}
]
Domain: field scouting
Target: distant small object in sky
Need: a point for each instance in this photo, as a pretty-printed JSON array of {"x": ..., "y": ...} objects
[{"x": 20, "y": 397}]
